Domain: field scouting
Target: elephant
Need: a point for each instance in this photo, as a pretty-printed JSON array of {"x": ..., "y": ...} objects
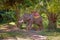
[{"x": 29, "y": 20}]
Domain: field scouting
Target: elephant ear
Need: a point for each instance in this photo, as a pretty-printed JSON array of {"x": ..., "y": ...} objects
[{"x": 36, "y": 15}]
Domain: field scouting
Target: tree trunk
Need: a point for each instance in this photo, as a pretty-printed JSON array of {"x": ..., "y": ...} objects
[
  {"x": 52, "y": 21},
  {"x": 17, "y": 17},
  {"x": 52, "y": 26}
]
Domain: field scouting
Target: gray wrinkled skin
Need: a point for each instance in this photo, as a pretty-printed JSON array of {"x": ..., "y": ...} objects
[{"x": 29, "y": 19}]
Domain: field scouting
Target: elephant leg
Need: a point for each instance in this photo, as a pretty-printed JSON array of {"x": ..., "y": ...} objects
[
  {"x": 29, "y": 26},
  {"x": 40, "y": 27}
]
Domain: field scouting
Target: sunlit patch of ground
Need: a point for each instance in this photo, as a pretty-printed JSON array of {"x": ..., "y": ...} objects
[
  {"x": 17, "y": 38},
  {"x": 53, "y": 38}
]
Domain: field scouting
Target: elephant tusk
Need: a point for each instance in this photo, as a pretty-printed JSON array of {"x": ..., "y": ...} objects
[{"x": 21, "y": 21}]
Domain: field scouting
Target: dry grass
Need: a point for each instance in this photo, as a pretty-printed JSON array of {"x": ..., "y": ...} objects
[{"x": 51, "y": 35}]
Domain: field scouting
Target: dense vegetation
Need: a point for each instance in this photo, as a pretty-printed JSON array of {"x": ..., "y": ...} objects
[{"x": 11, "y": 10}]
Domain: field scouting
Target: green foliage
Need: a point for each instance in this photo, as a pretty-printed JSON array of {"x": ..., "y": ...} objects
[
  {"x": 8, "y": 16},
  {"x": 53, "y": 6},
  {"x": 45, "y": 20},
  {"x": 26, "y": 6}
]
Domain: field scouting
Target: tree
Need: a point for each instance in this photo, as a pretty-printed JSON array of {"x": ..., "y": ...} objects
[
  {"x": 16, "y": 5},
  {"x": 53, "y": 11},
  {"x": 8, "y": 4}
]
